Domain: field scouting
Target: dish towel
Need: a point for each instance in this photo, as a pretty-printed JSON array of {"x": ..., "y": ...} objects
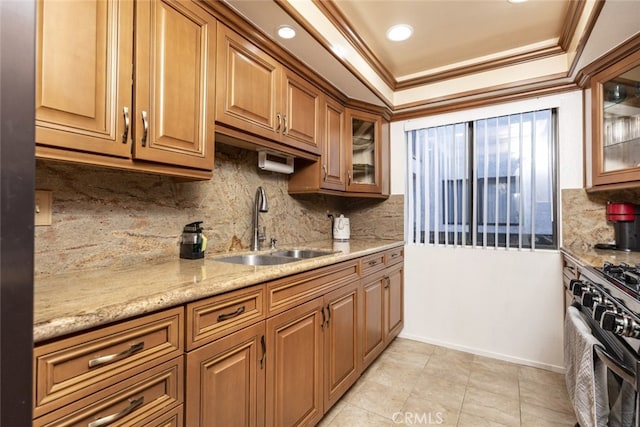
[
  {"x": 623, "y": 408},
  {"x": 586, "y": 375}
]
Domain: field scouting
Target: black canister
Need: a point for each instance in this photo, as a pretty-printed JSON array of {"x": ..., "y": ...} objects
[{"x": 193, "y": 243}]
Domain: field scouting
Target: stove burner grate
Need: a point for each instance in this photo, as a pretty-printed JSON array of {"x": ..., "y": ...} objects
[{"x": 623, "y": 274}]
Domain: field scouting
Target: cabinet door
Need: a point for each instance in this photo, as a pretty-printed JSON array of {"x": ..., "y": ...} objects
[
  {"x": 83, "y": 75},
  {"x": 225, "y": 381},
  {"x": 301, "y": 108},
  {"x": 364, "y": 154},
  {"x": 616, "y": 123},
  {"x": 341, "y": 341},
  {"x": 393, "y": 302},
  {"x": 247, "y": 86},
  {"x": 294, "y": 366},
  {"x": 373, "y": 316},
  {"x": 175, "y": 83},
  {"x": 333, "y": 148}
]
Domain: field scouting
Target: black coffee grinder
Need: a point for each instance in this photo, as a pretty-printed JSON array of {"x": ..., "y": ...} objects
[{"x": 193, "y": 242}]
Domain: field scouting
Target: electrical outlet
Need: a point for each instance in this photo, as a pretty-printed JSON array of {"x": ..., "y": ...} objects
[{"x": 44, "y": 202}]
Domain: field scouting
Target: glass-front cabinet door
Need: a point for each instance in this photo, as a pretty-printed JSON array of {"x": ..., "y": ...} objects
[
  {"x": 616, "y": 123},
  {"x": 364, "y": 152}
]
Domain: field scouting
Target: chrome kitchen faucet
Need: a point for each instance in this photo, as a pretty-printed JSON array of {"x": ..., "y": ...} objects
[{"x": 260, "y": 205}]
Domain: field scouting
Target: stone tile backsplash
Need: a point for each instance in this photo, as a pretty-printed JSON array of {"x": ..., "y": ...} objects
[
  {"x": 106, "y": 217},
  {"x": 584, "y": 215}
]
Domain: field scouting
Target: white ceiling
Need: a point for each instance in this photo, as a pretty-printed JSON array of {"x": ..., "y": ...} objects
[
  {"x": 451, "y": 32},
  {"x": 458, "y": 47}
]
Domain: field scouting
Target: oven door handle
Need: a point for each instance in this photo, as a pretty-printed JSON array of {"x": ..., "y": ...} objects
[{"x": 613, "y": 364}]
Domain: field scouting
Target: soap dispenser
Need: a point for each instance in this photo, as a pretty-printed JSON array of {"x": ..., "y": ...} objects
[{"x": 193, "y": 242}]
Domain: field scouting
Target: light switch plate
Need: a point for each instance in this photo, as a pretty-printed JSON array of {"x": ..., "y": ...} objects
[{"x": 44, "y": 202}]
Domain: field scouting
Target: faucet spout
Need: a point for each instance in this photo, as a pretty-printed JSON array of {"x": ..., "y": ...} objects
[{"x": 260, "y": 205}]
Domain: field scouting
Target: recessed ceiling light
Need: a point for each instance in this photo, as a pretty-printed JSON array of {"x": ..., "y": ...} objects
[
  {"x": 516, "y": 1},
  {"x": 399, "y": 32},
  {"x": 286, "y": 32}
]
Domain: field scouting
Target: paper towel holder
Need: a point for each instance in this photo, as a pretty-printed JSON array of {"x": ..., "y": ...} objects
[{"x": 275, "y": 162}]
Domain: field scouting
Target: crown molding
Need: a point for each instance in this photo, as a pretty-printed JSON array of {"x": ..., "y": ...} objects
[{"x": 342, "y": 24}]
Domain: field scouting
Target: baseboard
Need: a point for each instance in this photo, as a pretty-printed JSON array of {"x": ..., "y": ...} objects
[{"x": 498, "y": 356}]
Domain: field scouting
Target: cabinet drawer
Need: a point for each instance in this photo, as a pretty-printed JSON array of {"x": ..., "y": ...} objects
[
  {"x": 215, "y": 317},
  {"x": 137, "y": 401},
  {"x": 372, "y": 263},
  {"x": 292, "y": 291},
  {"x": 71, "y": 368},
  {"x": 570, "y": 269},
  {"x": 172, "y": 418},
  {"x": 394, "y": 256}
]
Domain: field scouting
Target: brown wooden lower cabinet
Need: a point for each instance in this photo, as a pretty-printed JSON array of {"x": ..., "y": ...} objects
[
  {"x": 373, "y": 317},
  {"x": 342, "y": 341},
  {"x": 172, "y": 418},
  {"x": 294, "y": 366},
  {"x": 278, "y": 361},
  {"x": 225, "y": 380},
  {"x": 393, "y": 302},
  {"x": 136, "y": 401}
]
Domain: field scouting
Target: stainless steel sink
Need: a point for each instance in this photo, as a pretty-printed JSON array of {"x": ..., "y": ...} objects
[
  {"x": 302, "y": 253},
  {"x": 274, "y": 258},
  {"x": 257, "y": 259}
]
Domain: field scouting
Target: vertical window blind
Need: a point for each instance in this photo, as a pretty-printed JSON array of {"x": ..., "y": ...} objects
[{"x": 485, "y": 183}]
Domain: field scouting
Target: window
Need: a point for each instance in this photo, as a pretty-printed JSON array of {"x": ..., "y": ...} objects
[{"x": 488, "y": 182}]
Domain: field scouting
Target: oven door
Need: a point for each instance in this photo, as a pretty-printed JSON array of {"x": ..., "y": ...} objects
[{"x": 622, "y": 379}]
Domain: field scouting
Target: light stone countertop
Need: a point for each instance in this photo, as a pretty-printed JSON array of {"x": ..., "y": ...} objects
[
  {"x": 588, "y": 255},
  {"x": 74, "y": 301}
]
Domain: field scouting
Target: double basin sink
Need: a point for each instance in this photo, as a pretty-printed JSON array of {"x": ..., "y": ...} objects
[{"x": 275, "y": 258}]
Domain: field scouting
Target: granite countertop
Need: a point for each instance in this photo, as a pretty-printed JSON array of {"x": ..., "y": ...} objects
[
  {"x": 588, "y": 255},
  {"x": 74, "y": 301}
]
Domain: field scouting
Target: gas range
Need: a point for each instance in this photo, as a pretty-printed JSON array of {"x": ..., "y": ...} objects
[
  {"x": 611, "y": 295},
  {"x": 625, "y": 276},
  {"x": 608, "y": 299}
]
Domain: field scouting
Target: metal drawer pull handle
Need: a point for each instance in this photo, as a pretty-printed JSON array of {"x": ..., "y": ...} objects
[
  {"x": 145, "y": 128},
  {"x": 125, "y": 134},
  {"x": 394, "y": 255},
  {"x": 372, "y": 263},
  {"x": 133, "y": 405},
  {"x": 226, "y": 316},
  {"x": 279, "y": 117},
  {"x": 264, "y": 351},
  {"x": 284, "y": 131},
  {"x": 102, "y": 360},
  {"x": 386, "y": 278}
]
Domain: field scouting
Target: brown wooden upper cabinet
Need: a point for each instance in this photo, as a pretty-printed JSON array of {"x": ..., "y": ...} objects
[
  {"x": 258, "y": 95},
  {"x": 615, "y": 107},
  {"x": 354, "y": 159},
  {"x": 333, "y": 158},
  {"x": 329, "y": 172},
  {"x": 85, "y": 85},
  {"x": 364, "y": 151}
]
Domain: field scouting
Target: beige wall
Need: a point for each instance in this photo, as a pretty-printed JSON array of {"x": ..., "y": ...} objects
[{"x": 105, "y": 217}]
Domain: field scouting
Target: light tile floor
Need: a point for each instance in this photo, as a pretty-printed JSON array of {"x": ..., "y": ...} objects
[{"x": 414, "y": 383}]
